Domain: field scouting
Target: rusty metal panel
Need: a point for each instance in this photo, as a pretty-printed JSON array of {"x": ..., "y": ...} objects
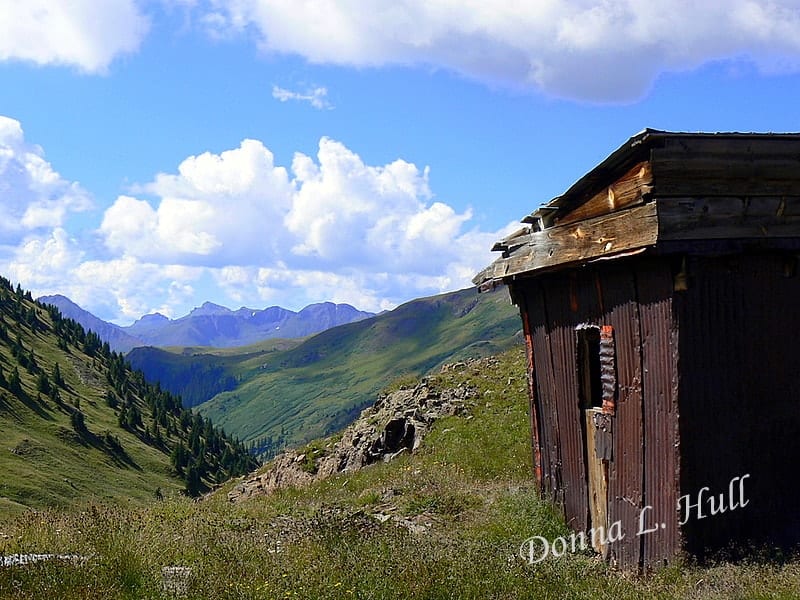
[
  {"x": 545, "y": 392},
  {"x": 740, "y": 376},
  {"x": 564, "y": 311},
  {"x": 533, "y": 396},
  {"x": 608, "y": 296},
  {"x": 608, "y": 368},
  {"x": 625, "y": 491},
  {"x": 603, "y": 434},
  {"x": 654, "y": 284}
]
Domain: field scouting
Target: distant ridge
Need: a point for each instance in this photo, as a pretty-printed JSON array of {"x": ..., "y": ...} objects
[
  {"x": 119, "y": 339},
  {"x": 212, "y": 325}
]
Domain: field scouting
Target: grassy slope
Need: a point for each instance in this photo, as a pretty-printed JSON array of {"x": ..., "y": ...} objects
[
  {"x": 44, "y": 460},
  {"x": 321, "y": 385},
  {"x": 51, "y": 465},
  {"x": 469, "y": 485}
]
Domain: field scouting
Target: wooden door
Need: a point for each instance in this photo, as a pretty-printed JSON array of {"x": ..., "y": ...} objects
[{"x": 597, "y": 425}]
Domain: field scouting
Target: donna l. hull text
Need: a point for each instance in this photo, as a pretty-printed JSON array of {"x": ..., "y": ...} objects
[{"x": 701, "y": 505}]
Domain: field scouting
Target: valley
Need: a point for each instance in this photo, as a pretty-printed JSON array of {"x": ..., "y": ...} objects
[{"x": 287, "y": 392}]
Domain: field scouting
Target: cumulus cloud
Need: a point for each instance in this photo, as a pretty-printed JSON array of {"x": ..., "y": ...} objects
[
  {"x": 333, "y": 227},
  {"x": 238, "y": 229},
  {"x": 126, "y": 288},
  {"x": 239, "y": 208},
  {"x": 120, "y": 288},
  {"x": 596, "y": 50},
  {"x": 347, "y": 213},
  {"x": 219, "y": 209},
  {"x": 83, "y": 33},
  {"x": 316, "y": 97},
  {"x": 34, "y": 196}
]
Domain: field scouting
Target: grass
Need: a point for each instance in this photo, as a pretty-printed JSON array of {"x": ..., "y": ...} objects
[
  {"x": 446, "y": 522},
  {"x": 45, "y": 463}
]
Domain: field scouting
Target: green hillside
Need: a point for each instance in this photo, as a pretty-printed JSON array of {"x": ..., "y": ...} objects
[
  {"x": 449, "y": 521},
  {"x": 197, "y": 373},
  {"x": 77, "y": 423},
  {"x": 322, "y": 384}
]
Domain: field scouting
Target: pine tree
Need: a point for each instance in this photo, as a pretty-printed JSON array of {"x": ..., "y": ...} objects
[
  {"x": 14, "y": 383},
  {"x": 194, "y": 482},
  {"x": 42, "y": 383},
  {"x": 78, "y": 423},
  {"x": 57, "y": 379}
]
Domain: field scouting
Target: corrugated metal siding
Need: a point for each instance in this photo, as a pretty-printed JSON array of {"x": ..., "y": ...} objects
[
  {"x": 564, "y": 310},
  {"x": 625, "y": 486},
  {"x": 659, "y": 387},
  {"x": 533, "y": 395},
  {"x": 546, "y": 390},
  {"x": 739, "y": 395},
  {"x": 609, "y": 295}
]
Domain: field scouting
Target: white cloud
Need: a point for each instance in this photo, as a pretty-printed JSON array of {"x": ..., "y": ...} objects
[
  {"x": 337, "y": 229},
  {"x": 347, "y": 213},
  {"x": 121, "y": 289},
  {"x": 127, "y": 288},
  {"x": 217, "y": 210},
  {"x": 316, "y": 97},
  {"x": 34, "y": 195},
  {"x": 83, "y": 33},
  {"x": 596, "y": 50},
  {"x": 237, "y": 229},
  {"x": 42, "y": 261}
]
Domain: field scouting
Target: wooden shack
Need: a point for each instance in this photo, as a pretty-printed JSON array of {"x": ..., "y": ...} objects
[{"x": 660, "y": 303}]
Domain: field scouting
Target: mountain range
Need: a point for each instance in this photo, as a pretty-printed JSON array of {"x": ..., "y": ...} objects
[
  {"x": 212, "y": 325},
  {"x": 283, "y": 392},
  {"x": 290, "y": 389}
]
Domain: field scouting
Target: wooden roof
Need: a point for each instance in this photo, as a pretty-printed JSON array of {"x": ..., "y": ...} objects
[{"x": 661, "y": 186}]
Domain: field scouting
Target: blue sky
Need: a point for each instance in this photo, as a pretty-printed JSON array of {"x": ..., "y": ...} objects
[{"x": 158, "y": 154}]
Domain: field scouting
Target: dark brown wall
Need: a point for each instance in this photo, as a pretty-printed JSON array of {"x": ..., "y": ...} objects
[
  {"x": 634, "y": 296},
  {"x": 740, "y": 396}
]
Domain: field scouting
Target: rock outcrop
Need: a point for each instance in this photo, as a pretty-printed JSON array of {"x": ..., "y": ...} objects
[{"x": 395, "y": 424}]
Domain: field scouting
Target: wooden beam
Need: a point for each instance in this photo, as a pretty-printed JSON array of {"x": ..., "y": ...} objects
[
  {"x": 728, "y": 218},
  {"x": 630, "y": 189},
  {"x": 607, "y": 235},
  {"x": 727, "y": 167}
]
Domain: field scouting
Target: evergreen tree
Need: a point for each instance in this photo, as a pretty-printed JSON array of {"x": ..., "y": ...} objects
[
  {"x": 194, "y": 483},
  {"x": 77, "y": 420},
  {"x": 111, "y": 399},
  {"x": 42, "y": 383},
  {"x": 14, "y": 383},
  {"x": 57, "y": 379},
  {"x": 55, "y": 395}
]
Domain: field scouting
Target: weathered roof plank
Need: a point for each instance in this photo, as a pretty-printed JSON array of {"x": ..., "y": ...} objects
[
  {"x": 622, "y": 231},
  {"x": 663, "y": 187}
]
